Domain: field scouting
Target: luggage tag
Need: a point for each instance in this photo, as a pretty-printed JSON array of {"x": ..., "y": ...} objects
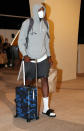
[{"x": 21, "y": 74}]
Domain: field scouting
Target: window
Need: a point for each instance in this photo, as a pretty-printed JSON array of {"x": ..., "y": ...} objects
[{"x": 13, "y": 13}]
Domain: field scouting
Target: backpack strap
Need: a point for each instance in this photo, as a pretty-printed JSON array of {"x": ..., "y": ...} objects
[
  {"x": 30, "y": 25},
  {"x": 46, "y": 23},
  {"x": 31, "y": 22}
]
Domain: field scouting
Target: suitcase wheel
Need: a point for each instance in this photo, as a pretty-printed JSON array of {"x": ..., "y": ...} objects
[
  {"x": 16, "y": 116},
  {"x": 37, "y": 118},
  {"x": 28, "y": 120},
  {"x": 15, "y": 100}
]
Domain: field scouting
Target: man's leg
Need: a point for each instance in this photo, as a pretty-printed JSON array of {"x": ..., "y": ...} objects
[
  {"x": 28, "y": 82},
  {"x": 45, "y": 88},
  {"x": 45, "y": 92}
]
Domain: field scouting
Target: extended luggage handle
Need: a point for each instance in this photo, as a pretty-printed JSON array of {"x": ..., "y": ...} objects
[
  {"x": 36, "y": 74},
  {"x": 23, "y": 72}
]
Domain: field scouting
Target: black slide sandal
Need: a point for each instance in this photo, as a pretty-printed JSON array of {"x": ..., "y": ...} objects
[{"x": 50, "y": 113}]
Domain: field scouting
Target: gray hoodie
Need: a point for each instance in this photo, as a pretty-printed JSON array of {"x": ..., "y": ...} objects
[{"x": 38, "y": 40}]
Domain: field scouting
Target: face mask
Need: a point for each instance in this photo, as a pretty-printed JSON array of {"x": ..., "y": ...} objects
[{"x": 41, "y": 14}]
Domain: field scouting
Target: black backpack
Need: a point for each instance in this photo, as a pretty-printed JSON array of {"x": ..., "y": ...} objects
[{"x": 30, "y": 27}]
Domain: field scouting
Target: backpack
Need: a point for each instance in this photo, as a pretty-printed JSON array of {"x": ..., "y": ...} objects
[{"x": 30, "y": 27}]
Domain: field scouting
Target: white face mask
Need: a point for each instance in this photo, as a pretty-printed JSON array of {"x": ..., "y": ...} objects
[{"x": 41, "y": 14}]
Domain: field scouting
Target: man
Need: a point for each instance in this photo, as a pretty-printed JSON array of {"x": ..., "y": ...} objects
[
  {"x": 6, "y": 48},
  {"x": 1, "y": 45},
  {"x": 37, "y": 48}
]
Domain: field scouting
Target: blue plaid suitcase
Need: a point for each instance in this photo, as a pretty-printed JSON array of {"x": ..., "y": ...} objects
[{"x": 26, "y": 101}]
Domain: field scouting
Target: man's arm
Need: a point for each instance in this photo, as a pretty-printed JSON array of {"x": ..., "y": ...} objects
[
  {"x": 47, "y": 39},
  {"x": 22, "y": 37},
  {"x": 48, "y": 46}
]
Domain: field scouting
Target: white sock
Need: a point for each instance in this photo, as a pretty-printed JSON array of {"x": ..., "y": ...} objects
[{"x": 45, "y": 102}]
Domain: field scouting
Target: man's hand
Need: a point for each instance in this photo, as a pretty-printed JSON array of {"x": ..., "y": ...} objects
[
  {"x": 50, "y": 60},
  {"x": 27, "y": 58}
]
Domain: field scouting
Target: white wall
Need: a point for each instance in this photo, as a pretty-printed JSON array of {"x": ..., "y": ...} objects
[
  {"x": 64, "y": 16},
  {"x": 6, "y": 33}
]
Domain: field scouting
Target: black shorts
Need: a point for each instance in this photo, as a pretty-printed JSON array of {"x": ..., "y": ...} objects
[{"x": 42, "y": 70}]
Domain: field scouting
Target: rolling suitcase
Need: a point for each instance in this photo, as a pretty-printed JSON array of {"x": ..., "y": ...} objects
[{"x": 27, "y": 99}]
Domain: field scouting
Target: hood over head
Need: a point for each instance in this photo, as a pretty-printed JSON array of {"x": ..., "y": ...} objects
[{"x": 35, "y": 11}]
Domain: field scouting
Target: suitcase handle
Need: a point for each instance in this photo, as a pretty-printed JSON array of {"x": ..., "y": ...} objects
[{"x": 23, "y": 72}]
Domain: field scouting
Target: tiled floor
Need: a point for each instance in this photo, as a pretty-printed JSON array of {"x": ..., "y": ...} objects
[{"x": 68, "y": 102}]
